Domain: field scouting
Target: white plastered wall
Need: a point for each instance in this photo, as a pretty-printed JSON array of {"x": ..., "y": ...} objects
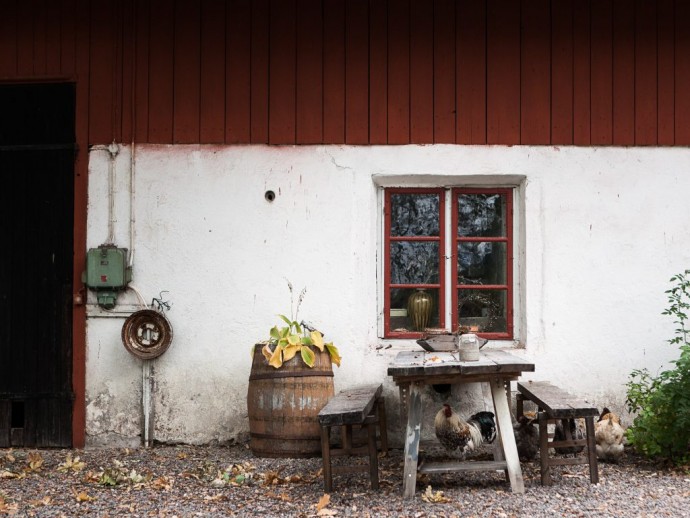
[{"x": 601, "y": 230}]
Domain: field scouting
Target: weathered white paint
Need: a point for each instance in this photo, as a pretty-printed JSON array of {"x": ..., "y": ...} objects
[{"x": 601, "y": 230}]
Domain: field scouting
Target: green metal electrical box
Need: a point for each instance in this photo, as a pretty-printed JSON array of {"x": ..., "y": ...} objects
[{"x": 107, "y": 273}]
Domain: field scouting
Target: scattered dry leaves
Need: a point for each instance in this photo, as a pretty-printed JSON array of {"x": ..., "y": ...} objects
[
  {"x": 81, "y": 496},
  {"x": 71, "y": 464},
  {"x": 7, "y": 508},
  {"x": 46, "y": 500},
  {"x": 35, "y": 461},
  {"x": 434, "y": 497}
]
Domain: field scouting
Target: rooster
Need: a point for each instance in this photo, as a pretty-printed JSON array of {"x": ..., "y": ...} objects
[
  {"x": 526, "y": 437},
  {"x": 575, "y": 431},
  {"x": 456, "y": 434},
  {"x": 609, "y": 436}
]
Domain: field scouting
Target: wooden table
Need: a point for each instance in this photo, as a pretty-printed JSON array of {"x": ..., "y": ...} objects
[{"x": 411, "y": 370}]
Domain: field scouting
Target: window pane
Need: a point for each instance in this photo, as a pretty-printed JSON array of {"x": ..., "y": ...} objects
[
  {"x": 413, "y": 309},
  {"x": 481, "y": 215},
  {"x": 482, "y": 263},
  {"x": 484, "y": 311},
  {"x": 415, "y": 215},
  {"x": 414, "y": 262}
]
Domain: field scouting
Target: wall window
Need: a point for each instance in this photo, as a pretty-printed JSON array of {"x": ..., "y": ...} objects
[{"x": 448, "y": 247}]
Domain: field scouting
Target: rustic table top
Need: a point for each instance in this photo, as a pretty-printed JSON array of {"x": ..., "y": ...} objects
[{"x": 414, "y": 364}]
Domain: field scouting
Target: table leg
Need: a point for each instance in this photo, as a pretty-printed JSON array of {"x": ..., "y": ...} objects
[
  {"x": 505, "y": 429},
  {"x": 412, "y": 437}
]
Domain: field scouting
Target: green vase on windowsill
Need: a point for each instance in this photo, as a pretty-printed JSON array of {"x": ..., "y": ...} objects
[{"x": 420, "y": 306}]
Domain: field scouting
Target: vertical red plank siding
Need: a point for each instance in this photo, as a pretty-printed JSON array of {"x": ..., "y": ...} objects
[
  {"x": 140, "y": 110},
  {"x": 8, "y": 40},
  {"x": 25, "y": 38},
  {"x": 470, "y": 74},
  {"x": 666, "y": 72},
  {"x": 444, "y": 72},
  {"x": 68, "y": 17},
  {"x": 238, "y": 98},
  {"x": 102, "y": 75},
  {"x": 623, "y": 73},
  {"x": 378, "y": 78},
  {"x": 259, "y": 71},
  {"x": 334, "y": 72},
  {"x": 309, "y": 104},
  {"x": 212, "y": 83},
  {"x": 357, "y": 72},
  {"x": 646, "y": 94},
  {"x": 161, "y": 72},
  {"x": 503, "y": 72},
  {"x": 421, "y": 71},
  {"x": 128, "y": 57},
  {"x": 399, "y": 72},
  {"x": 562, "y": 77},
  {"x": 581, "y": 74},
  {"x": 39, "y": 14},
  {"x": 602, "y": 66},
  {"x": 535, "y": 74},
  {"x": 682, "y": 93},
  {"x": 82, "y": 15},
  {"x": 52, "y": 27},
  {"x": 282, "y": 73},
  {"x": 186, "y": 71}
]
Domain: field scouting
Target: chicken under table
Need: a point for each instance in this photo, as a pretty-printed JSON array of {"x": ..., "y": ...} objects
[{"x": 412, "y": 370}]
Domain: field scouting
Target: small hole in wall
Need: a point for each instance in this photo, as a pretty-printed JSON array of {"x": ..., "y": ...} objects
[{"x": 270, "y": 196}]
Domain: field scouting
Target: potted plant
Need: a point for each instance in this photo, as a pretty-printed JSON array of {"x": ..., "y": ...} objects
[
  {"x": 291, "y": 380},
  {"x": 296, "y": 337}
]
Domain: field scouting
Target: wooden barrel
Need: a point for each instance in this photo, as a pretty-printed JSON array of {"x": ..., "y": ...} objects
[{"x": 283, "y": 405}]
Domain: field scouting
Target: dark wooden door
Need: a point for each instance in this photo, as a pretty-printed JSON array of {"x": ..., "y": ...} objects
[{"x": 36, "y": 211}]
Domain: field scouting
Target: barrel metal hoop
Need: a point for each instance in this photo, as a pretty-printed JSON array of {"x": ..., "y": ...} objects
[
  {"x": 293, "y": 374},
  {"x": 284, "y": 437}
]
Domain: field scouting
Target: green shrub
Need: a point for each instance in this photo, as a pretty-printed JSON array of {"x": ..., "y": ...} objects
[{"x": 661, "y": 404}]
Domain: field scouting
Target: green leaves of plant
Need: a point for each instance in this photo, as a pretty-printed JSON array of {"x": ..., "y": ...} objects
[{"x": 291, "y": 339}]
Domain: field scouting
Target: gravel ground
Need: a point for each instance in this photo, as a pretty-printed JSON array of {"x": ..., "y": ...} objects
[{"x": 229, "y": 481}]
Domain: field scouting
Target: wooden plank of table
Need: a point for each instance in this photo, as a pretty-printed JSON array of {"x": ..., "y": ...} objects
[
  {"x": 474, "y": 465},
  {"x": 505, "y": 429},
  {"x": 412, "y": 437}
]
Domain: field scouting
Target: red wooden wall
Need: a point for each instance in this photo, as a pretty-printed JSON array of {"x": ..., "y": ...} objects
[{"x": 550, "y": 72}]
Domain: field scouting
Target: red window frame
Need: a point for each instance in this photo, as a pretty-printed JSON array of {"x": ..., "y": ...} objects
[
  {"x": 453, "y": 283},
  {"x": 507, "y": 239},
  {"x": 441, "y": 286}
]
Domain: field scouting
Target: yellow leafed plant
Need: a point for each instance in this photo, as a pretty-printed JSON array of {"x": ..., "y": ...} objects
[{"x": 295, "y": 337}]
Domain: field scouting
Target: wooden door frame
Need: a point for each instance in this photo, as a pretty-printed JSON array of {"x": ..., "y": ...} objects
[{"x": 80, "y": 175}]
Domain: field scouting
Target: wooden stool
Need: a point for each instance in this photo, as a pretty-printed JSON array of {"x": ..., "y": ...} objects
[
  {"x": 360, "y": 406},
  {"x": 556, "y": 404}
]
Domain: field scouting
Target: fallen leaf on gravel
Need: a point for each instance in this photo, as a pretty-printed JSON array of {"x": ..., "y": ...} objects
[
  {"x": 35, "y": 461},
  {"x": 326, "y": 512},
  {"x": 6, "y": 508},
  {"x": 9, "y": 457},
  {"x": 9, "y": 474},
  {"x": 46, "y": 500},
  {"x": 182, "y": 455},
  {"x": 82, "y": 496},
  {"x": 215, "y": 498},
  {"x": 323, "y": 502},
  {"x": 434, "y": 497},
  {"x": 164, "y": 483},
  {"x": 73, "y": 464}
]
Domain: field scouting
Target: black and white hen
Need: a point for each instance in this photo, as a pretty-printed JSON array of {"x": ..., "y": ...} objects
[{"x": 454, "y": 433}]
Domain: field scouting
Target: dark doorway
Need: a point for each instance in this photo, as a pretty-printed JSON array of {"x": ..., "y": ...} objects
[{"x": 37, "y": 149}]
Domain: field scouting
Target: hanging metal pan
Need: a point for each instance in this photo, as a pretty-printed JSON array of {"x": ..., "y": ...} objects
[{"x": 146, "y": 334}]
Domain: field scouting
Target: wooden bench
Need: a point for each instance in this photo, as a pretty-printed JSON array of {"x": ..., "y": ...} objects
[
  {"x": 365, "y": 408},
  {"x": 556, "y": 404}
]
